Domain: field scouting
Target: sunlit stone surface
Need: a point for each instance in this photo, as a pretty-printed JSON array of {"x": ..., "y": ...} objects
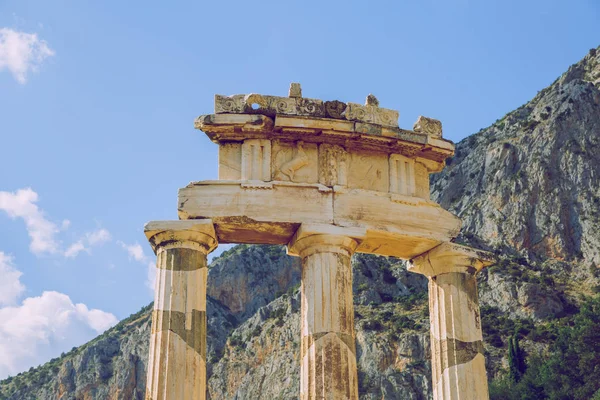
[{"x": 327, "y": 179}]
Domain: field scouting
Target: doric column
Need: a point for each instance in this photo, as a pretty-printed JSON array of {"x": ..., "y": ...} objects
[
  {"x": 177, "y": 357},
  {"x": 457, "y": 360},
  {"x": 327, "y": 351}
]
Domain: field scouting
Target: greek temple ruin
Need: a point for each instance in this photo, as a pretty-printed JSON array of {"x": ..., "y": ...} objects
[{"x": 326, "y": 179}]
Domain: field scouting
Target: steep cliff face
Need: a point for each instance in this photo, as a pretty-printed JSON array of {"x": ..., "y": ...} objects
[
  {"x": 246, "y": 278},
  {"x": 530, "y": 183},
  {"x": 527, "y": 187},
  {"x": 261, "y": 359}
]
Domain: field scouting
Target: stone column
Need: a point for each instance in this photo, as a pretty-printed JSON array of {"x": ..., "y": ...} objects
[
  {"x": 457, "y": 360},
  {"x": 327, "y": 351},
  {"x": 177, "y": 356}
]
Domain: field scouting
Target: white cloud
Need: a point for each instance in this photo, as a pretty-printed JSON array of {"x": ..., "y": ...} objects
[
  {"x": 10, "y": 284},
  {"x": 22, "y": 52},
  {"x": 135, "y": 251},
  {"x": 21, "y": 204},
  {"x": 94, "y": 238},
  {"x": 40, "y": 327},
  {"x": 98, "y": 320},
  {"x": 75, "y": 249},
  {"x": 43, "y": 327},
  {"x": 151, "y": 277},
  {"x": 98, "y": 237}
]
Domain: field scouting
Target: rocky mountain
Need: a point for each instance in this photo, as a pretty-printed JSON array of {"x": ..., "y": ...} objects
[{"x": 527, "y": 188}]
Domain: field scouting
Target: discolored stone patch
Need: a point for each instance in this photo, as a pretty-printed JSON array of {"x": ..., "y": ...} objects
[
  {"x": 456, "y": 351},
  {"x": 174, "y": 321},
  {"x": 182, "y": 259}
]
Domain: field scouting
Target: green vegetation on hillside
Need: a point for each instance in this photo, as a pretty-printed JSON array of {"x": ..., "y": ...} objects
[{"x": 569, "y": 370}]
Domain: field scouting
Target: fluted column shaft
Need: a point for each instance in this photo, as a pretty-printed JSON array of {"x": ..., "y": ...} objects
[
  {"x": 327, "y": 351},
  {"x": 457, "y": 353},
  {"x": 177, "y": 356},
  {"x": 457, "y": 363}
]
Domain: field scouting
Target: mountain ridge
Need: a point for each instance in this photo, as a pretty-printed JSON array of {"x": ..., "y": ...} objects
[{"x": 527, "y": 188}]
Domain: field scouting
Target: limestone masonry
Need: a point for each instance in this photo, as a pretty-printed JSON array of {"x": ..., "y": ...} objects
[{"x": 326, "y": 179}]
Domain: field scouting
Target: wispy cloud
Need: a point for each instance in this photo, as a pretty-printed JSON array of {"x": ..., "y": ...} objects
[
  {"x": 42, "y": 231},
  {"x": 151, "y": 275},
  {"x": 65, "y": 225},
  {"x": 91, "y": 239},
  {"x": 21, "y": 204},
  {"x": 136, "y": 252},
  {"x": 74, "y": 249},
  {"x": 10, "y": 284},
  {"x": 22, "y": 52},
  {"x": 98, "y": 237}
]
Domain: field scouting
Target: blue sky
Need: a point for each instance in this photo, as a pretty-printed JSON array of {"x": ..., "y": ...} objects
[{"x": 97, "y": 102}]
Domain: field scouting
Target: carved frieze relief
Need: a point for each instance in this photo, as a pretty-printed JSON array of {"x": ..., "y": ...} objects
[
  {"x": 268, "y": 105},
  {"x": 333, "y": 165},
  {"x": 368, "y": 170},
  {"x": 295, "y": 162},
  {"x": 372, "y": 114},
  {"x": 429, "y": 126}
]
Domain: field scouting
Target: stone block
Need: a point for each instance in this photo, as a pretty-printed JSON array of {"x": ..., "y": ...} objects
[
  {"x": 400, "y": 227},
  {"x": 372, "y": 114},
  {"x": 368, "y": 170},
  {"x": 230, "y": 161},
  {"x": 428, "y": 126}
]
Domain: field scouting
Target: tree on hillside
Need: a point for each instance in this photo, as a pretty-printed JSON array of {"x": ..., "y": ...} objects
[
  {"x": 571, "y": 371},
  {"x": 516, "y": 359}
]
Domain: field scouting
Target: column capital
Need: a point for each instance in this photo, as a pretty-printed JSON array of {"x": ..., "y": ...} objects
[
  {"x": 451, "y": 257},
  {"x": 196, "y": 234},
  {"x": 311, "y": 239}
]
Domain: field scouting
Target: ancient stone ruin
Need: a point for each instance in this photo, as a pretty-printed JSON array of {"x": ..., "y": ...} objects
[{"x": 326, "y": 179}]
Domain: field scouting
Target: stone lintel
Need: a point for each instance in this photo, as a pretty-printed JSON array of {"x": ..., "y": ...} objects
[
  {"x": 387, "y": 224},
  {"x": 440, "y": 144},
  {"x": 283, "y": 121},
  {"x": 197, "y": 233},
  {"x": 240, "y": 123},
  {"x": 451, "y": 257}
]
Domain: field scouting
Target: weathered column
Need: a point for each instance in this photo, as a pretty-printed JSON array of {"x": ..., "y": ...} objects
[
  {"x": 177, "y": 359},
  {"x": 327, "y": 351},
  {"x": 457, "y": 360}
]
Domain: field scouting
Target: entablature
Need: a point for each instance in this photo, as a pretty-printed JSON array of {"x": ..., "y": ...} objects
[{"x": 224, "y": 128}]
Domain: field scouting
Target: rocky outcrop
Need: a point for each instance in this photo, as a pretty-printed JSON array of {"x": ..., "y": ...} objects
[
  {"x": 527, "y": 187},
  {"x": 521, "y": 299},
  {"x": 261, "y": 359},
  {"x": 246, "y": 278},
  {"x": 530, "y": 183}
]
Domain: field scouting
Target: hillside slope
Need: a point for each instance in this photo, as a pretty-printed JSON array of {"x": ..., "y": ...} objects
[{"x": 527, "y": 187}]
